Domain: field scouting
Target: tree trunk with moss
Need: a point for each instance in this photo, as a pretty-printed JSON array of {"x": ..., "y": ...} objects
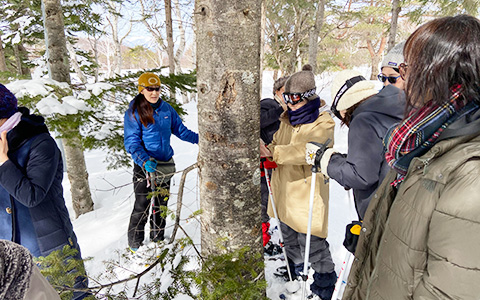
[
  {"x": 60, "y": 71},
  {"x": 228, "y": 35}
]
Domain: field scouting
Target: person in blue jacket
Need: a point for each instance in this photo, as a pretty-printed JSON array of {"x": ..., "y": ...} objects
[
  {"x": 33, "y": 212},
  {"x": 149, "y": 123}
]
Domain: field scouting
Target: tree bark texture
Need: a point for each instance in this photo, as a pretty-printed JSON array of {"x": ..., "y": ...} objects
[
  {"x": 396, "y": 9},
  {"x": 314, "y": 33},
  {"x": 60, "y": 71},
  {"x": 228, "y": 36}
]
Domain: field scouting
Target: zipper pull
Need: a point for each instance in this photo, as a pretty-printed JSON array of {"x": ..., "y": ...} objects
[{"x": 425, "y": 164}]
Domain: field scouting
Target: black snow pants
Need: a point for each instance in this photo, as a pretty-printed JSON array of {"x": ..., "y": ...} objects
[{"x": 141, "y": 210}]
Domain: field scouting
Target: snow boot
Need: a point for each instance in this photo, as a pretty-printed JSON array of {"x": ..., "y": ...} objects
[{"x": 324, "y": 284}]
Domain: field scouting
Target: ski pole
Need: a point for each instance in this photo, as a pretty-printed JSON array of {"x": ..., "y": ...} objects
[
  {"x": 154, "y": 197},
  {"x": 278, "y": 221},
  {"x": 309, "y": 231},
  {"x": 341, "y": 276}
]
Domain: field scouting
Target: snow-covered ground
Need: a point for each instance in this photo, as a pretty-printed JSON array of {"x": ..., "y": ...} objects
[{"x": 102, "y": 232}]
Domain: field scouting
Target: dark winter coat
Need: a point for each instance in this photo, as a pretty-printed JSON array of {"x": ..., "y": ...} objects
[
  {"x": 364, "y": 166},
  {"x": 154, "y": 140},
  {"x": 270, "y": 111},
  {"x": 422, "y": 241},
  {"x": 33, "y": 211}
]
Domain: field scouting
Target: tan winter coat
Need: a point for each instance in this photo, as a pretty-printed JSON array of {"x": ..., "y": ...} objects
[
  {"x": 424, "y": 242},
  {"x": 291, "y": 180}
]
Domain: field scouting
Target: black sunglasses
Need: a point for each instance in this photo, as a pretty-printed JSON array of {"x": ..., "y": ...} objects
[
  {"x": 391, "y": 79},
  {"x": 151, "y": 89}
]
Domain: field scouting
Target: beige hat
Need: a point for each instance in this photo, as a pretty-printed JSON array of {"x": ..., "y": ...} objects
[{"x": 348, "y": 88}]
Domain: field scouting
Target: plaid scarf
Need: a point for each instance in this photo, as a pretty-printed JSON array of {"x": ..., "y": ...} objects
[{"x": 421, "y": 129}]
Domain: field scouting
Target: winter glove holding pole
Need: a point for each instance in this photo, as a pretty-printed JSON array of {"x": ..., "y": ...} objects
[
  {"x": 314, "y": 154},
  {"x": 151, "y": 166}
]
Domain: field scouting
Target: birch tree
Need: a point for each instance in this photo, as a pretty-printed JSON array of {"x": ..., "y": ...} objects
[
  {"x": 57, "y": 59},
  {"x": 228, "y": 83}
]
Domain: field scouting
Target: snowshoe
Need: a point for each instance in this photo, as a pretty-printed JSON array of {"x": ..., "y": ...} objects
[{"x": 272, "y": 249}]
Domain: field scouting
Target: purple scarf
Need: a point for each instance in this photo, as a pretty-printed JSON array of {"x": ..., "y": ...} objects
[{"x": 305, "y": 114}]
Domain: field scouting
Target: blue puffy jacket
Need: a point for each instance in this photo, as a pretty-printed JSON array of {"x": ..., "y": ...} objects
[
  {"x": 154, "y": 140},
  {"x": 32, "y": 207}
]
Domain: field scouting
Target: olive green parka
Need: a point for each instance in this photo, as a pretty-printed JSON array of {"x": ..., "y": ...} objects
[{"x": 423, "y": 241}]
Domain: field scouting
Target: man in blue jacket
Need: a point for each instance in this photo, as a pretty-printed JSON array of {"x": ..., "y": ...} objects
[{"x": 33, "y": 212}]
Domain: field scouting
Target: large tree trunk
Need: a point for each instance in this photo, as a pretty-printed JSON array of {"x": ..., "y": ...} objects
[
  {"x": 3, "y": 62},
  {"x": 228, "y": 81},
  {"x": 396, "y": 9},
  {"x": 60, "y": 71},
  {"x": 314, "y": 33}
]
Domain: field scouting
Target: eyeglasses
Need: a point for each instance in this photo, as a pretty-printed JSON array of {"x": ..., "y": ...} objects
[
  {"x": 391, "y": 79},
  {"x": 294, "y": 98},
  {"x": 151, "y": 89},
  {"x": 402, "y": 69}
]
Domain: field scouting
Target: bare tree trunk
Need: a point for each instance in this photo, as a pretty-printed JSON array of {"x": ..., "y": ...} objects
[
  {"x": 396, "y": 9},
  {"x": 60, "y": 71},
  {"x": 169, "y": 26},
  {"x": 228, "y": 81},
  {"x": 376, "y": 56},
  {"x": 3, "y": 62},
  {"x": 73, "y": 60},
  {"x": 181, "y": 34},
  {"x": 314, "y": 33},
  {"x": 18, "y": 59}
]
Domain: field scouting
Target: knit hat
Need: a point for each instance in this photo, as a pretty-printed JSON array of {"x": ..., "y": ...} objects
[
  {"x": 394, "y": 58},
  {"x": 349, "y": 88},
  {"x": 301, "y": 82},
  {"x": 147, "y": 79},
  {"x": 8, "y": 103}
]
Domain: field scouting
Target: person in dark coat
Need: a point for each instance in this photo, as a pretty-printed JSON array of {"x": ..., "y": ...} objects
[
  {"x": 33, "y": 211},
  {"x": 270, "y": 111},
  {"x": 368, "y": 115},
  {"x": 149, "y": 124}
]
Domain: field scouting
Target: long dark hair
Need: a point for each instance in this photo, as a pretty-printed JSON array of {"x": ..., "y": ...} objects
[
  {"x": 440, "y": 54},
  {"x": 349, "y": 112},
  {"x": 144, "y": 109}
]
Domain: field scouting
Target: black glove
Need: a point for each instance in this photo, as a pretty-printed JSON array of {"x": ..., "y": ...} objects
[{"x": 352, "y": 232}]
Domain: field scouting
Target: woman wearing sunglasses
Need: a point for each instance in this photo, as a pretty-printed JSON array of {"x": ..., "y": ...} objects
[
  {"x": 148, "y": 125},
  {"x": 422, "y": 228},
  {"x": 389, "y": 71},
  {"x": 305, "y": 120}
]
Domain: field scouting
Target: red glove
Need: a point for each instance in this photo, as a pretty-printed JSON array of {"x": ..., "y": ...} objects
[{"x": 266, "y": 236}]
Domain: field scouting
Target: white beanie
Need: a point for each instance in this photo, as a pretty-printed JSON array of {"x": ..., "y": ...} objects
[
  {"x": 354, "y": 94},
  {"x": 394, "y": 58}
]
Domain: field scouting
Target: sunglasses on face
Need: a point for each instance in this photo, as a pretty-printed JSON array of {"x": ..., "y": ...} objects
[
  {"x": 391, "y": 79},
  {"x": 151, "y": 89}
]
